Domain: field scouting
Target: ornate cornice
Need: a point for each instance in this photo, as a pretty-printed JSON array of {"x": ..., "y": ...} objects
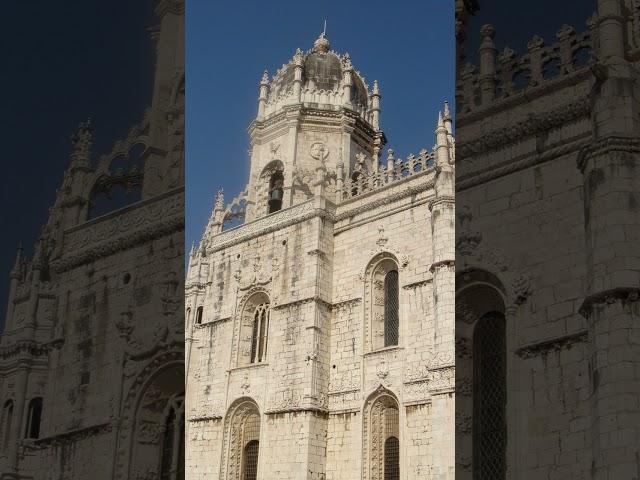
[
  {"x": 31, "y": 347},
  {"x": 605, "y": 146},
  {"x": 302, "y": 301},
  {"x": 555, "y": 344},
  {"x": 271, "y": 223},
  {"x": 447, "y": 199},
  {"x": 210, "y": 418},
  {"x": 533, "y": 125},
  {"x": 72, "y": 436},
  {"x": 125, "y": 228},
  {"x": 623, "y": 295},
  {"x": 468, "y": 179}
]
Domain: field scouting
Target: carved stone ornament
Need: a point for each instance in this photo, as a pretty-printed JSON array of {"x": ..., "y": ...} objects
[
  {"x": 382, "y": 247},
  {"x": 318, "y": 151},
  {"x": 474, "y": 256}
]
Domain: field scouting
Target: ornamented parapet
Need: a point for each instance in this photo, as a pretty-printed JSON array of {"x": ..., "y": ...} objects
[
  {"x": 506, "y": 74},
  {"x": 396, "y": 170}
]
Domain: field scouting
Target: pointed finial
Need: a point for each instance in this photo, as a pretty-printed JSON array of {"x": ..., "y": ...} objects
[
  {"x": 82, "y": 141},
  {"x": 322, "y": 44},
  {"x": 324, "y": 31},
  {"x": 376, "y": 88},
  {"x": 265, "y": 78},
  {"x": 16, "y": 264},
  {"x": 447, "y": 114},
  {"x": 219, "y": 205},
  {"x": 440, "y": 121}
]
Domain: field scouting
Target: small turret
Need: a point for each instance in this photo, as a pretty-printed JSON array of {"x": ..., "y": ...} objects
[
  {"x": 375, "y": 106},
  {"x": 264, "y": 92}
]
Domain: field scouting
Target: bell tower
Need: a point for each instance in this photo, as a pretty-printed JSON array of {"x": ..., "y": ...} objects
[{"x": 317, "y": 125}]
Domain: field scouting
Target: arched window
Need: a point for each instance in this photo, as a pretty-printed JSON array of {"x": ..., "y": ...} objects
[
  {"x": 34, "y": 416},
  {"x": 489, "y": 398},
  {"x": 381, "y": 433},
  {"x": 259, "y": 333},
  {"x": 382, "y": 303},
  {"x": 7, "y": 417},
  {"x": 254, "y": 330},
  {"x": 276, "y": 192},
  {"x": 199, "y": 311},
  {"x": 242, "y": 442},
  {"x": 391, "y": 306}
]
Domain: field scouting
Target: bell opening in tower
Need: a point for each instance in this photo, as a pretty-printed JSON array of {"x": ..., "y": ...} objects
[{"x": 275, "y": 192}]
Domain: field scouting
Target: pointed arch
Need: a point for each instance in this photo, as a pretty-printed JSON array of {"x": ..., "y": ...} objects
[
  {"x": 154, "y": 411},
  {"x": 241, "y": 441},
  {"x": 381, "y": 436}
]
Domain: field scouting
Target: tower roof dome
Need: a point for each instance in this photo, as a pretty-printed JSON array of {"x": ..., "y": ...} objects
[{"x": 322, "y": 69}]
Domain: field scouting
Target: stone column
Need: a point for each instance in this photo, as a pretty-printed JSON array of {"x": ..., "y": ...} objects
[
  {"x": 612, "y": 225},
  {"x": 487, "y": 52}
]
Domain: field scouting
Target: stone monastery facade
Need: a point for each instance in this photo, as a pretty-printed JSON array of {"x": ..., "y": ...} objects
[
  {"x": 320, "y": 331},
  {"x": 92, "y": 352},
  {"x": 548, "y": 267}
]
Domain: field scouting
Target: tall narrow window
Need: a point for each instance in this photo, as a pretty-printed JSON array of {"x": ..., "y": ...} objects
[
  {"x": 391, "y": 305},
  {"x": 392, "y": 459},
  {"x": 276, "y": 191},
  {"x": 489, "y": 398},
  {"x": 7, "y": 417},
  {"x": 259, "y": 333},
  {"x": 382, "y": 303},
  {"x": 199, "y": 315},
  {"x": 188, "y": 315},
  {"x": 34, "y": 416}
]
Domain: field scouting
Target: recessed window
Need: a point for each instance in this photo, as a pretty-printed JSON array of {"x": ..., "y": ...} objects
[
  {"x": 34, "y": 418},
  {"x": 199, "y": 311}
]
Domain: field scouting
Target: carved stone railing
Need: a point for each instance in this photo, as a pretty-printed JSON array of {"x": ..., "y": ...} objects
[
  {"x": 506, "y": 75},
  {"x": 396, "y": 171}
]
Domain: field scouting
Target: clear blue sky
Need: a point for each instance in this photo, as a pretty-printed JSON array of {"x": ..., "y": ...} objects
[{"x": 408, "y": 46}]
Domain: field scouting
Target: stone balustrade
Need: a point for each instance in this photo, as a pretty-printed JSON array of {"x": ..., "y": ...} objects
[{"x": 505, "y": 74}]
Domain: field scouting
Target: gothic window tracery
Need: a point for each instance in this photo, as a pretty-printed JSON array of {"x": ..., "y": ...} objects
[
  {"x": 121, "y": 185},
  {"x": 242, "y": 442},
  {"x": 382, "y": 303},
  {"x": 34, "y": 417},
  {"x": 254, "y": 330},
  {"x": 381, "y": 433}
]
